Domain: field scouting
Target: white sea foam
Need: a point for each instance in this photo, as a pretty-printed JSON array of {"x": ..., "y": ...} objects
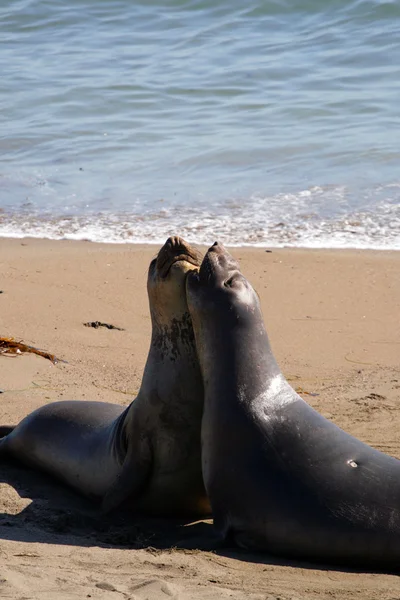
[{"x": 291, "y": 220}]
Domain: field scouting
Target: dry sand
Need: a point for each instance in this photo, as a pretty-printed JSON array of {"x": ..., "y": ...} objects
[{"x": 333, "y": 321}]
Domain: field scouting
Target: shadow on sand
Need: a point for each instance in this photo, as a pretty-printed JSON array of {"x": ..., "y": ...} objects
[{"x": 57, "y": 515}]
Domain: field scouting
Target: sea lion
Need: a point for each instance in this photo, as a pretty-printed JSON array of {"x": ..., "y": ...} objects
[
  {"x": 147, "y": 455},
  {"x": 280, "y": 477}
]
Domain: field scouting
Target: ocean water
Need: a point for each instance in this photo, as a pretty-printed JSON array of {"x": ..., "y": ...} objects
[{"x": 266, "y": 122}]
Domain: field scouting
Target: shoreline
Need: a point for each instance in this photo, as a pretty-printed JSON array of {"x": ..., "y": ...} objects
[
  {"x": 250, "y": 246},
  {"x": 4, "y": 239},
  {"x": 332, "y": 319}
]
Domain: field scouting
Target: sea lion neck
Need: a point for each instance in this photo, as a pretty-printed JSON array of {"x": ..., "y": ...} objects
[{"x": 234, "y": 356}]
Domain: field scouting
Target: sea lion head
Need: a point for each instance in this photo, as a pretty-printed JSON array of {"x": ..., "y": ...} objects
[
  {"x": 219, "y": 286},
  {"x": 224, "y": 309},
  {"x": 166, "y": 282},
  {"x": 231, "y": 339}
]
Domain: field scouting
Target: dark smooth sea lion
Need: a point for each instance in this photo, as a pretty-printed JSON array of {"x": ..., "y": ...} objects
[
  {"x": 147, "y": 456},
  {"x": 280, "y": 477}
]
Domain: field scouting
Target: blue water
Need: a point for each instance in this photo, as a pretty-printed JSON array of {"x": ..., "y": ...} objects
[{"x": 260, "y": 122}]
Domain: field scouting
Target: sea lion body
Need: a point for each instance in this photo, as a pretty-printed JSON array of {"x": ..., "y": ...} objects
[
  {"x": 280, "y": 477},
  {"x": 75, "y": 441},
  {"x": 146, "y": 456}
]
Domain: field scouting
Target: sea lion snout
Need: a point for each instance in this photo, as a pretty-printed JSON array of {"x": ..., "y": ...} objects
[{"x": 174, "y": 250}]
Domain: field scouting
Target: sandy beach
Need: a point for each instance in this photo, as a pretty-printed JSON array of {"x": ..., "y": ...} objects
[{"x": 333, "y": 321}]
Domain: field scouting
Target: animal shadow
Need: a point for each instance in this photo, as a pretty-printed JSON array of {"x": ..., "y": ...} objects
[{"x": 57, "y": 515}]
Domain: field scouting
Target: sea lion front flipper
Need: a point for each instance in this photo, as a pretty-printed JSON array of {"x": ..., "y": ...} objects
[{"x": 132, "y": 479}]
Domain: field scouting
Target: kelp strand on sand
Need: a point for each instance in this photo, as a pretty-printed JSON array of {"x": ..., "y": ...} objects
[{"x": 9, "y": 346}]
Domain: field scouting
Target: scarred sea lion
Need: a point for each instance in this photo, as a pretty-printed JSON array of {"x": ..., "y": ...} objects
[
  {"x": 280, "y": 477},
  {"x": 147, "y": 455}
]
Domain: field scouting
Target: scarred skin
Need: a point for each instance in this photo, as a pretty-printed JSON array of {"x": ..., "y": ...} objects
[
  {"x": 280, "y": 477},
  {"x": 146, "y": 456}
]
